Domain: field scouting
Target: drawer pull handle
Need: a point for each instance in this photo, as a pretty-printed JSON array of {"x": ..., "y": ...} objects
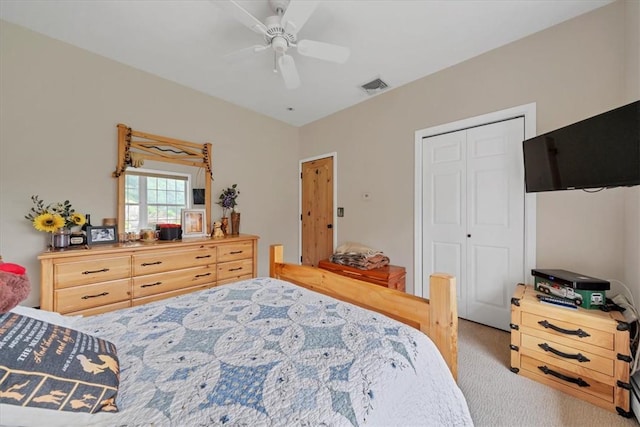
[
  {"x": 235, "y": 252},
  {"x": 202, "y": 275},
  {"x": 151, "y": 284},
  {"x": 104, "y": 270},
  {"x": 144, "y": 264},
  {"x": 235, "y": 269},
  {"x": 578, "y": 332},
  {"x": 95, "y": 296},
  {"x": 579, "y": 381},
  {"x": 203, "y": 256},
  {"x": 579, "y": 357}
]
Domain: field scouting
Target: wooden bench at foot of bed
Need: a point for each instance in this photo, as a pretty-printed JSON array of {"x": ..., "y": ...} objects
[{"x": 437, "y": 316}]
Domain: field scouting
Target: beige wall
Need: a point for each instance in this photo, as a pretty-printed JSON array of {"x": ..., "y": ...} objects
[
  {"x": 632, "y": 92},
  {"x": 59, "y": 107},
  {"x": 572, "y": 71}
]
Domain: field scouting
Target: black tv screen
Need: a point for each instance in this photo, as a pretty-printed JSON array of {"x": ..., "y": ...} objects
[{"x": 601, "y": 151}]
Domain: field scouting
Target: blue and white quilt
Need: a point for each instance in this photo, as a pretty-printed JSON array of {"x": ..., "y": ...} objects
[{"x": 264, "y": 352}]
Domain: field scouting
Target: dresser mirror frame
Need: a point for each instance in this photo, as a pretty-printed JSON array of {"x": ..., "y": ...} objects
[{"x": 134, "y": 147}]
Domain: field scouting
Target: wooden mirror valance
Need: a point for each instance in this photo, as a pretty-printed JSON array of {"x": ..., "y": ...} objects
[{"x": 134, "y": 147}]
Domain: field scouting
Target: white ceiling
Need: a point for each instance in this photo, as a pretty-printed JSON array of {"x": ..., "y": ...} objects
[{"x": 186, "y": 41}]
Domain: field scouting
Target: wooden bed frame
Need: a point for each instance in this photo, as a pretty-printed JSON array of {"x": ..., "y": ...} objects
[{"x": 437, "y": 317}]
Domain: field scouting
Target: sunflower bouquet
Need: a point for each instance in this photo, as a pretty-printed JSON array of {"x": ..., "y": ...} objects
[{"x": 53, "y": 216}]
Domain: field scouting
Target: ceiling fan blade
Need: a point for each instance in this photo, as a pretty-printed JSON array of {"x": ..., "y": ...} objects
[
  {"x": 324, "y": 51},
  {"x": 297, "y": 14},
  {"x": 289, "y": 71},
  {"x": 244, "y": 53},
  {"x": 242, "y": 16}
]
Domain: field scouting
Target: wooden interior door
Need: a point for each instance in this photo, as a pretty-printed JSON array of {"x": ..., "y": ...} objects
[{"x": 316, "y": 210}]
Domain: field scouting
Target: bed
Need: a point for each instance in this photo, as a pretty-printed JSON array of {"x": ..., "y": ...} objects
[{"x": 290, "y": 349}]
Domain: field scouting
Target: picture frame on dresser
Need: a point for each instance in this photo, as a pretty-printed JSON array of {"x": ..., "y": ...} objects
[
  {"x": 104, "y": 234},
  {"x": 194, "y": 223}
]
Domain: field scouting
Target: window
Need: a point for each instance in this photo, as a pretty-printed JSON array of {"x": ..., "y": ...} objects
[{"x": 154, "y": 197}]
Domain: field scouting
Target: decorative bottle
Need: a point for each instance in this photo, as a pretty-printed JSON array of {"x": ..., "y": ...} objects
[{"x": 86, "y": 224}]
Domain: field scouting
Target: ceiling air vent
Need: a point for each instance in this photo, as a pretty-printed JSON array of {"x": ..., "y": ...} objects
[{"x": 374, "y": 86}]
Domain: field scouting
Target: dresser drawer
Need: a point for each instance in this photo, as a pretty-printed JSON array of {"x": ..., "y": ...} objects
[
  {"x": 566, "y": 355},
  {"x": 85, "y": 271},
  {"x": 165, "y": 295},
  {"x": 172, "y": 280},
  {"x": 88, "y": 296},
  {"x": 102, "y": 308},
  {"x": 233, "y": 279},
  {"x": 235, "y": 269},
  {"x": 235, "y": 251},
  {"x": 172, "y": 260},
  {"x": 579, "y": 334}
]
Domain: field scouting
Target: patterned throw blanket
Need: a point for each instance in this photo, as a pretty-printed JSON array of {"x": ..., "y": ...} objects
[
  {"x": 359, "y": 256},
  {"x": 264, "y": 352}
]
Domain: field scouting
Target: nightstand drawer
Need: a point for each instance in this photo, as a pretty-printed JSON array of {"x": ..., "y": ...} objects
[
  {"x": 581, "y": 386},
  {"x": 583, "y": 334},
  {"x": 566, "y": 355}
]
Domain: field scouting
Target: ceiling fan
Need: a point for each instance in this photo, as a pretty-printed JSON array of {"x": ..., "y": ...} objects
[{"x": 280, "y": 33}]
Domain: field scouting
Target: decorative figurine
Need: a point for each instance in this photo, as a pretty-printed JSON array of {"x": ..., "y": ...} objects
[{"x": 217, "y": 230}]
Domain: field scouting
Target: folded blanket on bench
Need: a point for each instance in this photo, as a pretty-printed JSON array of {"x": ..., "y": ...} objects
[{"x": 359, "y": 256}]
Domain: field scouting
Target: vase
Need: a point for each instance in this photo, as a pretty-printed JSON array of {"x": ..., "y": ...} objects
[
  {"x": 235, "y": 223},
  {"x": 61, "y": 238},
  {"x": 225, "y": 225}
]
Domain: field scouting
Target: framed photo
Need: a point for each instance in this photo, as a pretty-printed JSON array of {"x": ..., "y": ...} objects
[
  {"x": 97, "y": 235},
  {"x": 194, "y": 223}
]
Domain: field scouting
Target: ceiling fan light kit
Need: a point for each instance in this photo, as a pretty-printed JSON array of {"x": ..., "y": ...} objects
[{"x": 280, "y": 33}]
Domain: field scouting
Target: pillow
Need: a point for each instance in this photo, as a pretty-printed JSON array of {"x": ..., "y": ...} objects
[
  {"x": 49, "y": 366},
  {"x": 14, "y": 286}
]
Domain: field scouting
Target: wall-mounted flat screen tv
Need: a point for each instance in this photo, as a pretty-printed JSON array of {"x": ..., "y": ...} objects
[{"x": 601, "y": 151}]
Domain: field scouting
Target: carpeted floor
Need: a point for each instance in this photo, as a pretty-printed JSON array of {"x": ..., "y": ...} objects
[{"x": 498, "y": 397}]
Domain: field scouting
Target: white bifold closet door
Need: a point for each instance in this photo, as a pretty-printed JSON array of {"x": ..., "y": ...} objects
[{"x": 473, "y": 216}]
